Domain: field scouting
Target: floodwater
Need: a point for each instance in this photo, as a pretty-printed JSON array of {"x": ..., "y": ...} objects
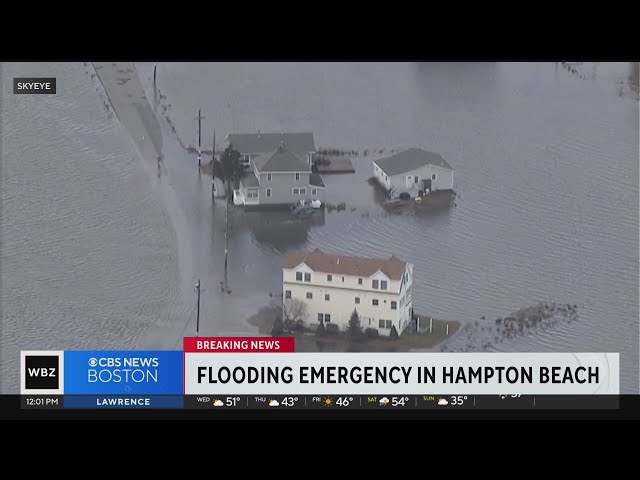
[{"x": 101, "y": 249}]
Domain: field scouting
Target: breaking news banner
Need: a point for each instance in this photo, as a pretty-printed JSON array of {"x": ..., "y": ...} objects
[
  {"x": 210, "y": 368},
  {"x": 250, "y": 372}
]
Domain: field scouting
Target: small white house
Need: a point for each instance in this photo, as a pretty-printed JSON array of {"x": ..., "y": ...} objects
[{"x": 414, "y": 171}]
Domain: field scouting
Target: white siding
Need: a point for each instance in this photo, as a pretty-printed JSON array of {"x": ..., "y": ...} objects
[
  {"x": 342, "y": 298},
  {"x": 443, "y": 180}
]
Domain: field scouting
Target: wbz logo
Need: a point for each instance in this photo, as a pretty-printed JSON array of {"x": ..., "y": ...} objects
[{"x": 41, "y": 372}]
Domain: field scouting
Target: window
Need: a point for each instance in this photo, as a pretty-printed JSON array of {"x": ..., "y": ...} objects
[
  {"x": 383, "y": 284},
  {"x": 342, "y": 279},
  {"x": 268, "y": 177},
  {"x": 329, "y": 278},
  {"x": 359, "y": 281},
  {"x": 314, "y": 191},
  {"x": 374, "y": 302},
  {"x": 394, "y": 305},
  {"x": 268, "y": 192},
  {"x": 287, "y": 294},
  {"x": 326, "y": 297},
  {"x": 297, "y": 177},
  {"x": 358, "y": 300},
  {"x": 374, "y": 284},
  {"x": 380, "y": 323},
  {"x": 388, "y": 324},
  {"x": 307, "y": 277},
  {"x": 327, "y": 317},
  {"x": 433, "y": 176},
  {"x": 369, "y": 321},
  {"x": 309, "y": 295},
  {"x": 252, "y": 193},
  {"x": 303, "y": 191},
  {"x": 320, "y": 317},
  {"x": 299, "y": 276},
  {"x": 416, "y": 179},
  {"x": 296, "y": 191}
]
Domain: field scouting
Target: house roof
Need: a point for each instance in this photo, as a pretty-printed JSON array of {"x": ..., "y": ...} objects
[
  {"x": 249, "y": 180},
  {"x": 300, "y": 143},
  {"x": 410, "y": 159},
  {"x": 281, "y": 160},
  {"x": 319, "y": 261},
  {"x": 316, "y": 180}
]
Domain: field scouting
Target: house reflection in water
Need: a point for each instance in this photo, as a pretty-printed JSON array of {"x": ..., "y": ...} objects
[{"x": 281, "y": 230}]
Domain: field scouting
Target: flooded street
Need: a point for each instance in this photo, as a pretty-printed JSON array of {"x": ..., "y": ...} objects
[{"x": 546, "y": 171}]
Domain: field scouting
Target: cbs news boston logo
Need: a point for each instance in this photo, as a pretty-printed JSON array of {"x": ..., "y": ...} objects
[{"x": 41, "y": 372}]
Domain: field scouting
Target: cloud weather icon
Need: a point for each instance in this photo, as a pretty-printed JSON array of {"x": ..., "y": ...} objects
[
  {"x": 218, "y": 403},
  {"x": 274, "y": 403},
  {"x": 443, "y": 401},
  {"x": 384, "y": 401}
]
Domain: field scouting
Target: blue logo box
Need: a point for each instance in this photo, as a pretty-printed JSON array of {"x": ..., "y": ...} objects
[{"x": 123, "y": 372}]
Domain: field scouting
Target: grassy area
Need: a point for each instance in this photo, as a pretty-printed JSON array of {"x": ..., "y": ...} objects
[{"x": 308, "y": 341}]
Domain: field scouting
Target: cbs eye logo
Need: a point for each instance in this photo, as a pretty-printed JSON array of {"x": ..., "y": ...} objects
[{"x": 93, "y": 362}]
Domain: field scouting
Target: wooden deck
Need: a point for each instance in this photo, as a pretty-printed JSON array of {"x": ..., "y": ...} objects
[{"x": 337, "y": 165}]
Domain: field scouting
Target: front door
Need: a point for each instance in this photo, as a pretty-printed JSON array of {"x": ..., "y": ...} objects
[
  {"x": 427, "y": 185},
  {"x": 409, "y": 181}
]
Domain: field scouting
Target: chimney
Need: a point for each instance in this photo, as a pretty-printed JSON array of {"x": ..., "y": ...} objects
[{"x": 281, "y": 147}]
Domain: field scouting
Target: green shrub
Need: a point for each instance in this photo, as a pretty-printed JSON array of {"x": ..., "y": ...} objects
[
  {"x": 393, "y": 333},
  {"x": 371, "y": 332},
  {"x": 332, "y": 329},
  {"x": 278, "y": 327}
]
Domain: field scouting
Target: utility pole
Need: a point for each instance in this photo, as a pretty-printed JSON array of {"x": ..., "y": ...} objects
[
  {"x": 200, "y": 118},
  {"x": 226, "y": 239},
  {"x": 198, "y": 310},
  {"x": 213, "y": 177}
]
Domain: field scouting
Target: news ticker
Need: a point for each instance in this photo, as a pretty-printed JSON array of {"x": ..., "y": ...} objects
[
  {"x": 257, "y": 367},
  {"x": 323, "y": 402}
]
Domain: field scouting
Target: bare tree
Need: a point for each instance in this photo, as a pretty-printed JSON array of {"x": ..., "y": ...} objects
[{"x": 293, "y": 310}]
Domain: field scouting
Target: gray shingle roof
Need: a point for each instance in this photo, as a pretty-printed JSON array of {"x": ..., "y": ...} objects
[
  {"x": 410, "y": 159},
  {"x": 249, "y": 180},
  {"x": 316, "y": 180},
  {"x": 281, "y": 160},
  {"x": 300, "y": 143}
]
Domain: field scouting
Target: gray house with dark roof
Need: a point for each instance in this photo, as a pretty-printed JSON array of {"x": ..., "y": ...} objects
[
  {"x": 279, "y": 178},
  {"x": 414, "y": 171},
  {"x": 252, "y": 145}
]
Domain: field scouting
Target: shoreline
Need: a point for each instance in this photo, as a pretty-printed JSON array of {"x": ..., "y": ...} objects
[{"x": 127, "y": 100}]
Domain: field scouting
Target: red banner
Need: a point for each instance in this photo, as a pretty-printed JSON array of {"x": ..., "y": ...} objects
[{"x": 238, "y": 344}]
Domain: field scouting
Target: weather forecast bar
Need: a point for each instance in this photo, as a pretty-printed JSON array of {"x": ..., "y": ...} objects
[
  {"x": 324, "y": 402},
  {"x": 400, "y": 402}
]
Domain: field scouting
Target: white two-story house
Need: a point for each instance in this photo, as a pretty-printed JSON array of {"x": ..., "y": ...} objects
[{"x": 332, "y": 286}]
